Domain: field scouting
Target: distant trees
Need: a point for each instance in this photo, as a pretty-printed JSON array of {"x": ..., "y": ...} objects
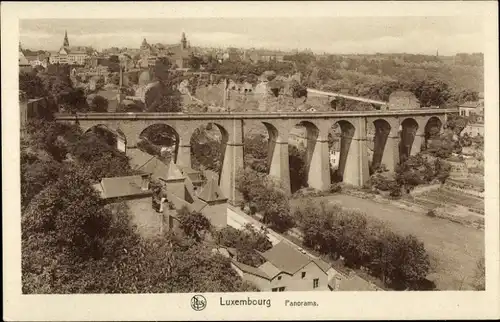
[{"x": 400, "y": 261}]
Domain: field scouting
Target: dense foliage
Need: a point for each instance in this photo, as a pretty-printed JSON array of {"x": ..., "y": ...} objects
[
  {"x": 72, "y": 242},
  {"x": 434, "y": 80},
  {"x": 266, "y": 196},
  {"x": 246, "y": 242},
  {"x": 400, "y": 261}
]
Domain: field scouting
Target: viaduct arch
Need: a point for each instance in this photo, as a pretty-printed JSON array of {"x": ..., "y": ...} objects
[{"x": 398, "y": 134}]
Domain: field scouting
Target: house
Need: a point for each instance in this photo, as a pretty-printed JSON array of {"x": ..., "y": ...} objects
[
  {"x": 124, "y": 188},
  {"x": 471, "y": 108},
  {"x": 179, "y": 192},
  {"x": 148, "y": 163},
  {"x": 287, "y": 269}
]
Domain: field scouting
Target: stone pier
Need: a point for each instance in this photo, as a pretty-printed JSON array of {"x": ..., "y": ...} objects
[{"x": 233, "y": 161}]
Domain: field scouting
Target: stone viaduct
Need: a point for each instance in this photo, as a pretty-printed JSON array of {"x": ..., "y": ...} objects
[{"x": 396, "y": 133}]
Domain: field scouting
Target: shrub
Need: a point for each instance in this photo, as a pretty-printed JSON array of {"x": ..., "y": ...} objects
[
  {"x": 431, "y": 213},
  {"x": 335, "y": 188}
]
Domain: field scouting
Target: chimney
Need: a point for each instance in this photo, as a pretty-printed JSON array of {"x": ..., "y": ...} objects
[{"x": 146, "y": 178}]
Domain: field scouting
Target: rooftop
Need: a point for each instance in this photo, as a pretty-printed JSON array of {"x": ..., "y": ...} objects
[
  {"x": 117, "y": 187},
  {"x": 211, "y": 192},
  {"x": 286, "y": 258},
  {"x": 250, "y": 269},
  {"x": 356, "y": 283},
  {"x": 471, "y": 104},
  {"x": 147, "y": 163}
]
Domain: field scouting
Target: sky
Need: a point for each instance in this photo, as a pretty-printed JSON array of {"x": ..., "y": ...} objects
[{"x": 342, "y": 35}]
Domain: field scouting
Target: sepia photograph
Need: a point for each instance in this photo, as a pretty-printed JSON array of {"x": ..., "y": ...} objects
[{"x": 243, "y": 155}]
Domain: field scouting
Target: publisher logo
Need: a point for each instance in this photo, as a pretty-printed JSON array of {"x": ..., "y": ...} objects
[{"x": 198, "y": 302}]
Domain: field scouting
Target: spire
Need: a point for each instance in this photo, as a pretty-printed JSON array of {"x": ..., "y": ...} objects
[
  {"x": 184, "y": 41},
  {"x": 66, "y": 41}
]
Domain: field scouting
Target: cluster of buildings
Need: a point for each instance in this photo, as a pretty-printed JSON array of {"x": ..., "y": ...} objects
[
  {"x": 156, "y": 211},
  {"x": 288, "y": 269},
  {"x": 475, "y": 112},
  {"x": 285, "y": 267},
  {"x": 178, "y": 54}
]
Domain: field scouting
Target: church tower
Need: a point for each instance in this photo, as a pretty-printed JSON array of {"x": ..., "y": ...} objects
[
  {"x": 183, "y": 41},
  {"x": 66, "y": 41}
]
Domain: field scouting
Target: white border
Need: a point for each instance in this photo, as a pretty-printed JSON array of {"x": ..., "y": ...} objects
[{"x": 334, "y": 305}]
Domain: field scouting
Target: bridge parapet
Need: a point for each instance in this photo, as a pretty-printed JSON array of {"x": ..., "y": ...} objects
[{"x": 253, "y": 115}]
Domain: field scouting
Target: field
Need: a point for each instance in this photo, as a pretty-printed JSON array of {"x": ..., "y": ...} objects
[
  {"x": 442, "y": 197},
  {"x": 454, "y": 249}
]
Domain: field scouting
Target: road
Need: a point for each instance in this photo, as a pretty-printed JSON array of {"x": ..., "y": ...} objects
[{"x": 454, "y": 248}]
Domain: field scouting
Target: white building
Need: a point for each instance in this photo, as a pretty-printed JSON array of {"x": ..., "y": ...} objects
[{"x": 69, "y": 56}]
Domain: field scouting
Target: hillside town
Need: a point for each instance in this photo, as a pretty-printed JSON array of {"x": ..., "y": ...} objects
[{"x": 160, "y": 209}]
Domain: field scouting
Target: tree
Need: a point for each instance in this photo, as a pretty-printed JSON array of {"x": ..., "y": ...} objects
[
  {"x": 98, "y": 159},
  {"x": 456, "y": 123},
  {"x": 70, "y": 212},
  {"x": 401, "y": 261},
  {"x": 52, "y": 137},
  {"x": 35, "y": 176},
  {"x": 206, "y": 151},
  {"x": 32, "y": 85},
  {"x": 194, "y": 224},
  {"x": 411, "y": 262},
  {"x": 265, "y": 196},
  {"x": 298, "y": 167},
  {"x": 99, "y": 104},
  {"x": 194, "y": 62},
  {"x": 256, "y": 153}
]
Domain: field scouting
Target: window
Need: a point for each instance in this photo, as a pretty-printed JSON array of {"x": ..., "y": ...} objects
[
  {"x": 281, "y": 289},
  {"x": 303, "y": 274},
  {"x": 279, "y": 278},
  {"x": 274, "y": 289},
  {"x": 315, "y": 283}
]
